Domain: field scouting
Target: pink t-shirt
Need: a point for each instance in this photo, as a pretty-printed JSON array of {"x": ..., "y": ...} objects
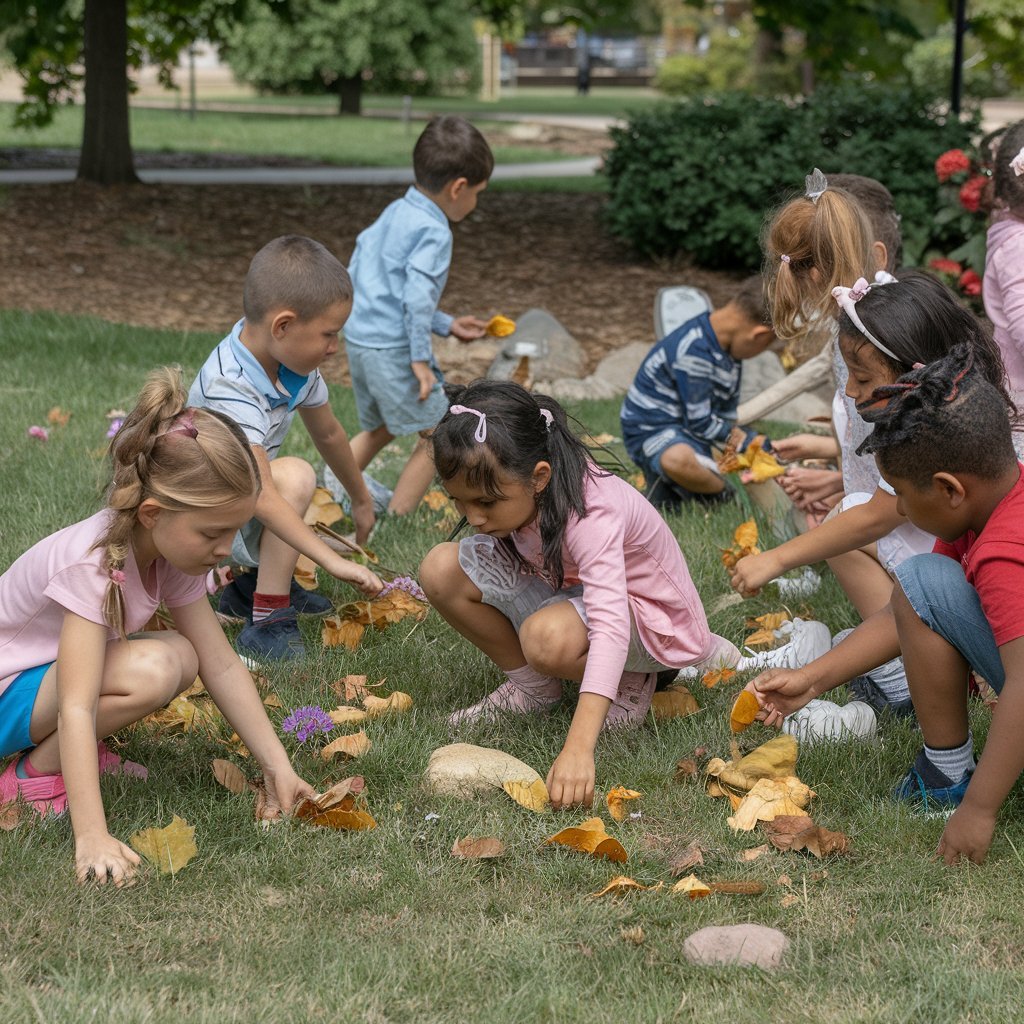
[
  {"x": 62, "y": 573},
  {"x": 627, "y": 560}
]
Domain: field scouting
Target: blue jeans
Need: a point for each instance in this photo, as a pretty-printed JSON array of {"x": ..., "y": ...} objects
[{"x": 947, "y": 604}]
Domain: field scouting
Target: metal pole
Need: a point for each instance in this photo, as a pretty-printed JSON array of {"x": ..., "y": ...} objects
[
  {"x": 958, "y": 55},
  {"x": 192, "y": 83}
]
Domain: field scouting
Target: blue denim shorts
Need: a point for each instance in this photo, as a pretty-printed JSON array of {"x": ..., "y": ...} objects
[
  {"x": 388, "y": 393},
  {"x": 647, "y": 451},
  {"x": 245, "y": 548},
  {"x": 947, "y": 604},
  {"x": 16, "y": 704}
]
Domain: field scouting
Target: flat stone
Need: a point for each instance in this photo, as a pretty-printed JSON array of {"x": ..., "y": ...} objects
[
  {"x": 553, "y": 351},
  {"x": 761, "y": 372},
  {"x": 736, "y": 945},
  {"x": 462, "y": 770}
]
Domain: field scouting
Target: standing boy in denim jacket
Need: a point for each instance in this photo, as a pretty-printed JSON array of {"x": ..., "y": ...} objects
[{"x": 399, "y": 270}]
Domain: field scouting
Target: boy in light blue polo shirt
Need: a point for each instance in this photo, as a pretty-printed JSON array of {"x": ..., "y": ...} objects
[
  {"x": 399, "y": 270},
  {"x": 296, "y": 299}
]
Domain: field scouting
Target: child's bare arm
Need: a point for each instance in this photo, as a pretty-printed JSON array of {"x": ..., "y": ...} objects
[
  {"x": 805, "y": 446},
  {"x": 968, "y": 833},
  {"x": 231, "y": 686},
  {"x": 278, "y": 516},
  {"x": 81, "y": 655},
  {"x": 468, "y": 328},
  {"x": 571, "y": 778},
  {"x": 332, "y": 443},
  {"x": 852, "y": 529}
]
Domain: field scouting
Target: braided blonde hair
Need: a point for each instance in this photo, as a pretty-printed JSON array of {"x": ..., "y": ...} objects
[{"x": 180, "y": 458}]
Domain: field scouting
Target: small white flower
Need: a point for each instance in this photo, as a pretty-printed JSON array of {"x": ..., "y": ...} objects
[{"x": 432, "y": 817}]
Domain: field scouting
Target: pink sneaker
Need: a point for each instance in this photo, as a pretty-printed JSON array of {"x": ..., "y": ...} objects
[
  {"x": 46, "y": 794},
  {"x": 633, "y": 700},
  {"x": 509, "y": 698},
  {"x": 111, "y": 764}
]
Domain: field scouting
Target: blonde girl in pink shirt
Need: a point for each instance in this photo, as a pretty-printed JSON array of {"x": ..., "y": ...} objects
[
  {"x": 571, "y": 574},
  {"x": 184, "y": 481}
]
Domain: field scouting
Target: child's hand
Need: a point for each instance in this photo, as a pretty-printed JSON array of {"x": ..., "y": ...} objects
[
  {"x": 468, "y": 328},
  {"x": 427, "y": 378},
  {"x": 780, "y": 692},
  {"x": 804, "y": 446},
  {"x": 103, "y": 858},
  {"x": 357, "y": 575},
  {"x": 364, "y": 516},
  {"x": 808, "y": 488},
  {"x": 571, "y": 779},
  {"x": 750, "y": 574},
  {"x": 968, "y": 833},
  {"x": 284, "y": 790}
]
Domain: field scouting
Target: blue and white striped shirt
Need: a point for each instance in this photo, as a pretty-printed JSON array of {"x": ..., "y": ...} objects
[{"x": 232, "y": 382}]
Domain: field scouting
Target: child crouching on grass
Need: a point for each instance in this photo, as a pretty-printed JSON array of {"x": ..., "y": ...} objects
[
  {"x": 572, "y": 574},
  {"x": 73, "y": 666}
]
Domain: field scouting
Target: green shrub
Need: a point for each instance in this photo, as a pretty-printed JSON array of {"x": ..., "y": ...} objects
[{"x": 697, "y": 176}]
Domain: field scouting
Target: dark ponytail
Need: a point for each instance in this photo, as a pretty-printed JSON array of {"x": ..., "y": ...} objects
[{"x": 521, "y": 429}]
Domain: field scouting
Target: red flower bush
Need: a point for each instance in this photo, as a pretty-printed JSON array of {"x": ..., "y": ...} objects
[
  {"x": 970, "y": 283},
  {"x": 970, "y": 193},
  {"x": 944, "y": 266},
  {"x": 953, "y": 161}
]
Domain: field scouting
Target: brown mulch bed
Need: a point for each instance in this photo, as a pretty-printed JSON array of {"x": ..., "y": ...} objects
[{"x": 176, "y": 256}]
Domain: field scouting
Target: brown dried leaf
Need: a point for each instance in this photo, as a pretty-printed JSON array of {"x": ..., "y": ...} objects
[
  {"x": 169, "y": 848},
  {"x": 676, "y": 702},
  {"x": 436, "y": 500},
  {"x": 395, "y": 704},
  {"x": 323, "y": 509},
  {"x": 681, "y": 862},
  {"x": 617, "y": 799},
  {"x": 618, "y": 886},
  {"x": 789, "y": 899},
  {"x": 58, "y": 417},
  {"x": 753, "y": 853},
  {"x": 344, "y": 819},
  {"x": 341, "y": 632},
  {"x": 768, "y": 799},
  {"x": 716, "y": 676},
  {"x": 10, "y": 815},
  {"x": 745, "y": 535},
  {"x": 272, "y": 701},
  {"x": 478, "y": 849},
  {"x": 345, "y": 715},
  {"x": 800, "y": 833},
  {"x": 230, "y": 776},
  {"x": 305, "y": 573},
  {"x": 263, "y": 810},
  {"x": 635, "y": 935},
  {"x": 341, "y": 794},
  {"x": 590, "y": 837},
  {"x": 353, "y": 745},
  {"x": 686, "y": 769}
]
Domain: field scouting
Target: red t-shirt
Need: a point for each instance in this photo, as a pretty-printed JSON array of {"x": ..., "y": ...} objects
[{"x": 993, "y": 562}]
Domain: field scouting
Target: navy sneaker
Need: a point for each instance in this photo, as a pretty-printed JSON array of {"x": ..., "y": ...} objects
[
  {"x": 275, "y": 638},
  {"x": 926, "y": 784},
  {"x": 236, "y": 599},
  {"x": 864, "y": 688}
]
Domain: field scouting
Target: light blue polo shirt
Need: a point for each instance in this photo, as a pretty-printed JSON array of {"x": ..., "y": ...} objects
[
  {"x": 399, "y": 270},
  {"x": 232, "y": 382}
]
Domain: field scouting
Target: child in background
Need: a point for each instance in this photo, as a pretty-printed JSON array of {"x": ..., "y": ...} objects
[
  {"x": 184, "y": 481},
  {"x": 1003, "y": 283},
  {"x": 296, "y": 300},
  {"x": 883, "y": 331},
  {"x": 572, "y": 574},
  {"x": 683, "y": 399},
  {"x": 942, "y": 440},
  {"x": 399, "y": 269}
]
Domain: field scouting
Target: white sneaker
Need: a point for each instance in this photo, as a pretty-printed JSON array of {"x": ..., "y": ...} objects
[
  {"x": 822, "y": 720},
  {"x": 794, "y": 588},
  {"x": 809, "y": 640}
]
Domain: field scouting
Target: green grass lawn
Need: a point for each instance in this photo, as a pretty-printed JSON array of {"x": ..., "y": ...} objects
[
  {"x": 294, "y": 924},
  {"x": 356, "y": 142}
]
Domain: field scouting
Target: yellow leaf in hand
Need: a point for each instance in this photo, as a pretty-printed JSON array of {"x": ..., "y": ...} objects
[
  {"x": 500, "y": 326},
  {"x": 617, "y": 799},
  {"x": 745, "y": 535},
  {"x": 744, "y": 711},
  {"x": 169, "y": 848}
]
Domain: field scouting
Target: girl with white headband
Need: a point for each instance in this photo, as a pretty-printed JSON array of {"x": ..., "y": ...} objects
[
  {"x": 571, "y": 574},
  {"x": 885, "y": 329}
]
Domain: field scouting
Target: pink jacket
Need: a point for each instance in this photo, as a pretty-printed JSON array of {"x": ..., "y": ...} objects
[
  {"x": 1003, "y": 291},
  {"x": 628, "y": 561}
]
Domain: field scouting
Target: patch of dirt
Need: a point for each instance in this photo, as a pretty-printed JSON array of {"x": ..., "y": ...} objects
[{"x": 176, "y": 256}]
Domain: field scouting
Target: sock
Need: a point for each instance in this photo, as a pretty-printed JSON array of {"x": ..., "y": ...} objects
[
  {"x": 953, "y": 762},
  {"x": 24, "y": 770},
  {"x": 531, "y": 681},
  {"x": 265, "y": 604},
  {"x": 891, "y": 679}
]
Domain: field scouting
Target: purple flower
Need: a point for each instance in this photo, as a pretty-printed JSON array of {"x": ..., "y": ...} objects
[
  {"x": 307, "y": 721},
  {"x": 115, "y": 426},
  {"x": 406, "y": 583}
]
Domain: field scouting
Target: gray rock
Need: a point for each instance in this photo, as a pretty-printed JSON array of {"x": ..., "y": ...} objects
[
  {"x": 740, "y": 945},
  {"x": 761, "y": 372},
  {"x": 553, "y": 351},
  {"x": 611, "y": 378}
]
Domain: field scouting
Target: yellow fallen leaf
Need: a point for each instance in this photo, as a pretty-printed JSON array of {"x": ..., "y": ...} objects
[
  {"x": 590, "y": 837},
  {"x": 676, "y": 702},
  {"x": 717, "y": 675},
  {"x": 323, "y": 509},
  {"x": 531, "y": 795},
  {"x": 272, "y": 701},
  {"x": 500, "y": 326},
  {"x": 617, "y": 886},
  {"x": 436, "y": 500},
  {"x": 395, "y": 704},
  {"x": 775, "y": 759},
  {"x": 638, "y": 481},
  {"x": 305, "y": 573},
  {"x": 343, "y": 819},
  {"x": 768, "y": 799},
  {"x": 169, "y": 848},
  {"x": 58, "y": 417},
  {"x": 230, "y": 776},
  {"x": 354, "y": 745},
  {"x": 745, "y": 710},
  {"x": 345, "y": 715},
  {"x": 692, "y": 886},
  {"x": 341, "y": 632},
  {"x": 617, "y": 799},
  {"x": 478, "y": 849},
  {"x": 599, "y": 440}
]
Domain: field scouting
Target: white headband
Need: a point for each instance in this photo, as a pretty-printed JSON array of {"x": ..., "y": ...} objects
[{"x": 848, "y": 299}]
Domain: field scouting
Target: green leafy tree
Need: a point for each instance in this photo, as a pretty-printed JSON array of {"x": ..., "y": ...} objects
[
  {"x": 340, "y": 45},
  {"x": 56, "y": 46}
]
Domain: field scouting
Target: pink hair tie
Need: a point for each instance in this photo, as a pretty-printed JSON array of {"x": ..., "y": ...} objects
[
  {"x": 480, "y": 435},
  {"x": 785, "y": 258},
  {"x": 118, "y": 578}
]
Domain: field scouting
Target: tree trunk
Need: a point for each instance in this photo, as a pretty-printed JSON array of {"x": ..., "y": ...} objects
[
  {"x": 106, "y": 155},
  {"x": 350, "y": 95}
]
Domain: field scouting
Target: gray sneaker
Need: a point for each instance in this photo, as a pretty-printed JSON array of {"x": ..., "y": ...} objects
[{"x": 380, "y": 494}]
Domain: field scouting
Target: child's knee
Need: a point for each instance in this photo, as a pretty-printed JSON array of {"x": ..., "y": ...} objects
[
  {"x": 546, "y": 645},
  {"x": 295, "y": 479},
  {"x": 440, "y": 571},
  {"x": 165, "y": 667}
]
